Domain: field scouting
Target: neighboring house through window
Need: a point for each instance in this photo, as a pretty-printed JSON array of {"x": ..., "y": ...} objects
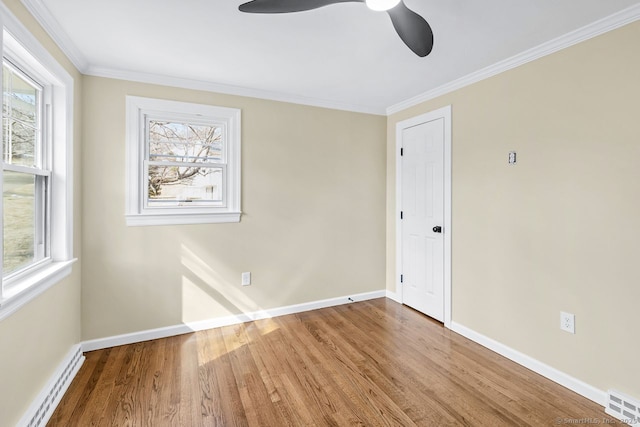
[{"x": 183, "y": 163}]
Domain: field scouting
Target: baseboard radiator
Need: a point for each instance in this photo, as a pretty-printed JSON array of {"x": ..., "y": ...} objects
[
  {"x": 43, "y": 407},
  {"x": 623, "y": 407}
]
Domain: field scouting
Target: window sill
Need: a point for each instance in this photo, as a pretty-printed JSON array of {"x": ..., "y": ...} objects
[
  {"x": 134, "y": 220},
  {"x": 33, "y": 285}
]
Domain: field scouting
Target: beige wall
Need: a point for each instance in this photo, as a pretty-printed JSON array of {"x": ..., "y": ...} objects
[
  {"x": 558, "y": 231},
  {"x": 313, "y": 197},
  {"x": 35, "y": 339},
  {"x": 561, "y": 229}
]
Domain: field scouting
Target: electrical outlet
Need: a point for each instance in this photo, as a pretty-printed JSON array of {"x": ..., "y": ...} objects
[
  {"x": 568, "y": 322},
  {"x": 246, "y": 279}
]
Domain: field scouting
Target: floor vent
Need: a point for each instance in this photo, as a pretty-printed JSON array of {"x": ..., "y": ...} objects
[
  {"x": 623, "y": 407},
  {"x": 50, "y": 401}
]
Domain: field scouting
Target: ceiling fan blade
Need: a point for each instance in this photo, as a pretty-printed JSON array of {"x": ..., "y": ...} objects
[
  {"x": 412, "y": 28},
  {"x": 285, "y": 6}
]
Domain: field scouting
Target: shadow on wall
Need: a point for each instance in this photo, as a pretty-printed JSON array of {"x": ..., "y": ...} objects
[
  {"x": 206, "y": 291},
  {"x": 209, "y": 293}
]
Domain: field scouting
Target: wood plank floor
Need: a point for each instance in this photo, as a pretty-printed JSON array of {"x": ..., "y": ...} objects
[{"x": 372, "y": 363}]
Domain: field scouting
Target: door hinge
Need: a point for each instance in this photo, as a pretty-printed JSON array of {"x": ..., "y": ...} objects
[
  {"x": 401, "y": 215},
  {"x": 401, "y": 151},
  {"x": 401, "y": 278}
]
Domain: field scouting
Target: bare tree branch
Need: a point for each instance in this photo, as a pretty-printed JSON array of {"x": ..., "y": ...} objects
[{"x": 195, "y": 144}]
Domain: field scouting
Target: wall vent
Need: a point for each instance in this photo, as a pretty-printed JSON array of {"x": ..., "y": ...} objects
[
  {"x": 623, "y": 407},
  {"x": 52, "y": 398}
]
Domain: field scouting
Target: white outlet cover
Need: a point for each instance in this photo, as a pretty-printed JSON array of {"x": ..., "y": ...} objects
[
  {"x": 246, "y": 279},
  {"x": 568, "y": 322}
]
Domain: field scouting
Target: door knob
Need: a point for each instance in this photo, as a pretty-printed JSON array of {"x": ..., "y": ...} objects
[{"x": 437, "y": 229}]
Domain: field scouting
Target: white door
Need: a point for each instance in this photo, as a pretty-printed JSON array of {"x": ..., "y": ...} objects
[{"x": 422, "y": 212}]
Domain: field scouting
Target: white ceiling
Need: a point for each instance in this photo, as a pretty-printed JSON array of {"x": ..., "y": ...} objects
[{"x": 343, "y": 55}]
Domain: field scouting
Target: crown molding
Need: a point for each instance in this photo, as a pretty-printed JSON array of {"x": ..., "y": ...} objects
[
  {"x": 44, "y": 17},
  {"x": 227, "y": 89},
  {"x": 617, "y": 20},
  {"x": 42, "y": 14}
]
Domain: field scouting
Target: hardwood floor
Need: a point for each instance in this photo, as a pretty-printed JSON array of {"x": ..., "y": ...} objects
[{"x": 372, "y": 363}]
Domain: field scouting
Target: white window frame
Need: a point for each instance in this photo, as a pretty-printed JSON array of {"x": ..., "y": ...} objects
[
  {"x": 31, "y": 57},
  {"x": 138, "y": 212},
  {"x": 40, "y": 170}
]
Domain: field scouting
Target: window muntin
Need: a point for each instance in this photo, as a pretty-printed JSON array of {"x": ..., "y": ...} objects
[{"x": 26, "y": 173}]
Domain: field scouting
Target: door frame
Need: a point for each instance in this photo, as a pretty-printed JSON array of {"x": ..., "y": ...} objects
[{"x": 441, "y": 113}]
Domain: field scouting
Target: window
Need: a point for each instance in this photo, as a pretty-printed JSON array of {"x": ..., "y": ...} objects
[
  {"x": 36, "y": 225},
  {"x": 183, "y": 163},
  {"x": 25, "y": 172}
]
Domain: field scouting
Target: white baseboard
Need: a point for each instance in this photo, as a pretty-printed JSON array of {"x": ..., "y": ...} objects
[
  {"x": 395, "y": 296},
  {"x": 185, "y": 328},
  {"x": 45, "y": 403},
  {"x": 565, "y": 380},
  {"x": 47, "y": 400}
]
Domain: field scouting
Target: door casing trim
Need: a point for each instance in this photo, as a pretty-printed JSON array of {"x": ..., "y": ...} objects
[{"x": 441, "y": 113}]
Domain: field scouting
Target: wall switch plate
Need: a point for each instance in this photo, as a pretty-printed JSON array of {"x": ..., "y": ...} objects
[
  {"x": 568, "y": 322},
  {"x": 246, "y": 279},
  {"x": 512, "y": 157}
]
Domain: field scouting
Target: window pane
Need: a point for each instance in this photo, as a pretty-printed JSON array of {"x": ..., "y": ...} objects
[
  {"x": 6, "y": 78},
  {"x": 183, "y": 142},
  {"x": 19, "y": 119},
  {"x": 184, "y": 184},
  {"x": 20, "y": 144},
  {"x": 19, "y": 220},
  {"x": 23, "y": 100}
]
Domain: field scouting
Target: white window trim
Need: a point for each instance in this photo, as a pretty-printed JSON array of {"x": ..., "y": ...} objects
[
  {"x": 41, "y": 166},
  {"x": 136, "y": 213},
  {"x": 18, "y": 42}
]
